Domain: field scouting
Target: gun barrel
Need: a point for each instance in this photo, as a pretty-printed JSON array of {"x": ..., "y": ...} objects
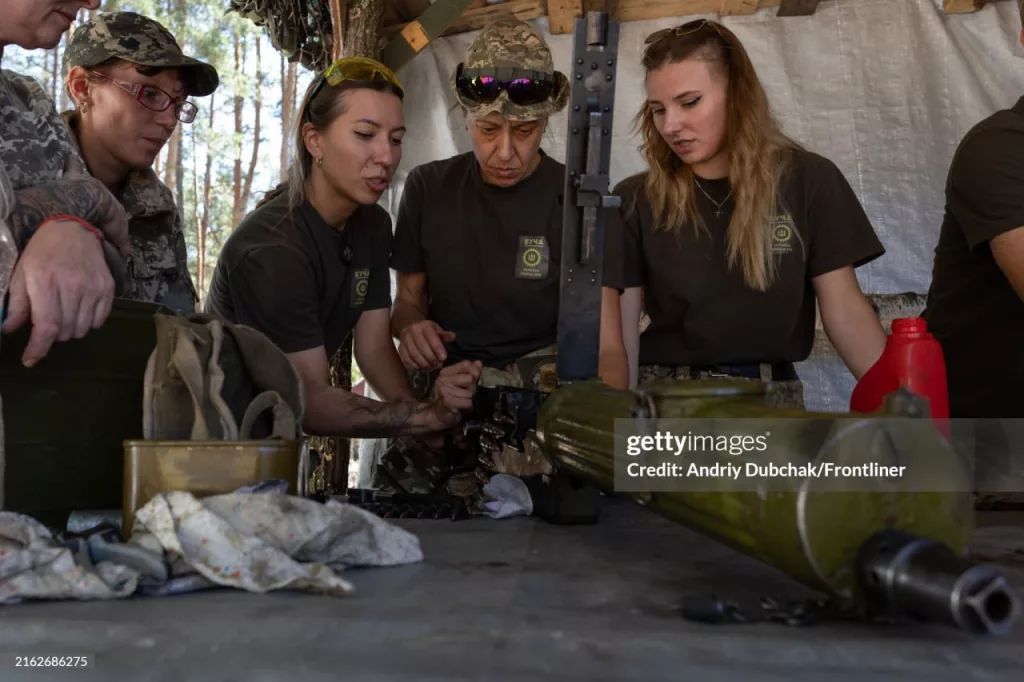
[{"x": 811, "y": 530}]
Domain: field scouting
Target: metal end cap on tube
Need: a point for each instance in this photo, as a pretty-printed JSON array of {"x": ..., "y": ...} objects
[{"x": 901, "y": 573}]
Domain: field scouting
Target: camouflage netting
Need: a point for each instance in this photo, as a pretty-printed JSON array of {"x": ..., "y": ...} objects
[{"x": 300, "y": 29}]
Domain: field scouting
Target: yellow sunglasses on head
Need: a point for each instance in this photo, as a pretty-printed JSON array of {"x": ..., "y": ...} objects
[{"x": 358, "y": 70}]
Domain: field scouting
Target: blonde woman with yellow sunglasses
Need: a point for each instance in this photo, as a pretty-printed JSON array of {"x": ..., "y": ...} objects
[{"x": 310, "y": 263}]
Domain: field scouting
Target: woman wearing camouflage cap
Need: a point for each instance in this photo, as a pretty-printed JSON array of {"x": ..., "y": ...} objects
[
  {"x": 130, "y": 83},
  {"x": 735, "y": 232},
  {"x": 478, "y": 236},
  {"x": 478, "y": 242},
  {"x": 54, "y": 212}
]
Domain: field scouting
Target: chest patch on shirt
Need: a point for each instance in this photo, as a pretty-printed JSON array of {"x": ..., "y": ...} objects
[
  {"x": 360, "y": 285},
  {"x": 532, "y": 259},
  {"x": 783, "y": 234}
]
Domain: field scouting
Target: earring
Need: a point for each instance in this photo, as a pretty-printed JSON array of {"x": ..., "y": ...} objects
[
  {"x": 320, "y": 161},
  {"x": 84, "y": 107}
]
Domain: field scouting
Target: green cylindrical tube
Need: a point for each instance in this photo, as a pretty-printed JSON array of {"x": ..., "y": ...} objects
[{"x": 811, "y": 528}]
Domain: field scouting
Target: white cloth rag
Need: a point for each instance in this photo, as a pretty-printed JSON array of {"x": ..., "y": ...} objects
[
  {"x": 256, "y": 543},
  {"x": 504, "y": 496}
]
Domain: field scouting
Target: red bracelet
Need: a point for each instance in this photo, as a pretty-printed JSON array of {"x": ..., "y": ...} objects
[{"x": 81, "y": 222}]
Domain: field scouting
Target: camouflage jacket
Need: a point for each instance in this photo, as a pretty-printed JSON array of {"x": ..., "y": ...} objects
[
  {"x": 6, "y": 193},
  {"x": 157, "y": 267},
  {"x": 35, "y": 146}
]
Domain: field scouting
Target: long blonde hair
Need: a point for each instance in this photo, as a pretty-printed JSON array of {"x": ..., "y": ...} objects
[{"x": 758, "y": 151}]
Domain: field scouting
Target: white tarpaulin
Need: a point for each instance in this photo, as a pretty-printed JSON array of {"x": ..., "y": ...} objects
[{"x": 884, "y": 88}]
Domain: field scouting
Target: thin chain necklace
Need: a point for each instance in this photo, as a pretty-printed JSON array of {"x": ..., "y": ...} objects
[{"x": 719, "y": 205}]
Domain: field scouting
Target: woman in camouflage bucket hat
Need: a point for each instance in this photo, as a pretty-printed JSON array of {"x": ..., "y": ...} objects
[
  {"x": 508, "y": 70},
  {"x": 499, "y": 207},
  {"x": 478, "y": 242},
  {"x": 130, "y": 82}
]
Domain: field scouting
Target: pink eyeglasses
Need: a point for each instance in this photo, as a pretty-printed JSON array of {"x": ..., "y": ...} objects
[{"x": 154, "y": 98}]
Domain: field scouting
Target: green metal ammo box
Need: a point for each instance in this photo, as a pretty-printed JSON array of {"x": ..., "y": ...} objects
[{"x": 66, "y": 419}]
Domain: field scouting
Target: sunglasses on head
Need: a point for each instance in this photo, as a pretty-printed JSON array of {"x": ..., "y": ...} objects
[
  {"x": 524, "y": 86},
  {"x": 356, "y": 70},
  {"x": 681, "y": 31}
]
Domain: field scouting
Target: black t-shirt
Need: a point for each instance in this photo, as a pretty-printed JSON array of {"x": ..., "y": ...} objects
[
  {"x": 972, "y": 308},
  {"x": 701, "y": 312},
  {"x": 492, "y": 255},
  {"x": 290, "y": 275}
]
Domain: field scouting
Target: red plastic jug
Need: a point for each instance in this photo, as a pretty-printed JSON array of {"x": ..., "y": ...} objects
[{"x": 913, "y": 360}]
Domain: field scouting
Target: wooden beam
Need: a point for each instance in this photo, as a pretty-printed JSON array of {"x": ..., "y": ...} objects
[
  {"x": 797, "y": 8},
  {"x": 417, "y": 34},
  {"x": 562, "y": 15},
  {"x": 408, "y": 10},
  {"x": 643, "y": 10},
  {"x": 477, "y": 18},
  {"x": 962, "y": 6},
  {"x": 737, "y": 7},
  {"x": 562, "y": 12}
]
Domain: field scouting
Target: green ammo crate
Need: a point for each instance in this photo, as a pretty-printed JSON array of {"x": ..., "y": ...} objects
[{"x": 66, "y": 419}]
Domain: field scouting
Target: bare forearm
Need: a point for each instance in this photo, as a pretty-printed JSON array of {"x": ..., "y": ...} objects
[
  {"x": 405, "y": 314},
  {"x": 383, "y": 370},
  {"x": 613, "y": 368},
  {"x": 81, "y": 197},
  {"x": 858, "y": 337},
  {"x": 336, "y": 412}
]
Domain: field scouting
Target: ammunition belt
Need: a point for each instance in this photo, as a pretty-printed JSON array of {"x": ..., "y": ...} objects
[{"x": 410, "y": 506}]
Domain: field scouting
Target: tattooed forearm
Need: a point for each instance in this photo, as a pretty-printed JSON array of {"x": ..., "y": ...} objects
[
  {"x": 333, "y": 412},
  {"x": 83, "y": 197}
]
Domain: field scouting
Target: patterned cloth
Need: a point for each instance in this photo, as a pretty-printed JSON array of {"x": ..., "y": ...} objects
[
  {"x": 410, "y": 465},
  {"x": 782, "y": 394},
  {"x": 254, "y": 542},
  {"x": 157, "y": 266}
]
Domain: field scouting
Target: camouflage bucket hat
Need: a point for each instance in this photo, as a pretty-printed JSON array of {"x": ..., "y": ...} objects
[
  {"x": 508, "y": 69},
  {"x": 139, "y": 40}
]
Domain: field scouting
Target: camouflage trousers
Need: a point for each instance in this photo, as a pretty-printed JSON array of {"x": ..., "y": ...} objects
[
  {"x": 782, "y": 394},
  {"x": 411, "y": 465}
]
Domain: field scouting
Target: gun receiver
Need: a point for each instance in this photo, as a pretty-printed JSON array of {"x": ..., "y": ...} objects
[{"x": 586, "y": 200}]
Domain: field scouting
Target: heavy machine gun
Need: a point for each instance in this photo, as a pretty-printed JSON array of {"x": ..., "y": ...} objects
[{"x": 890, "y": 549}]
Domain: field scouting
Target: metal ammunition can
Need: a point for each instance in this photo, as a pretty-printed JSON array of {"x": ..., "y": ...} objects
[{"x": 203, "y": 468}]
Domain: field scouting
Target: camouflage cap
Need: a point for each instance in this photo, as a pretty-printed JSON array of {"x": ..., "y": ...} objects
[
  {"x": 511, "y": 43},
  {"x": 139, "y": 40}
]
